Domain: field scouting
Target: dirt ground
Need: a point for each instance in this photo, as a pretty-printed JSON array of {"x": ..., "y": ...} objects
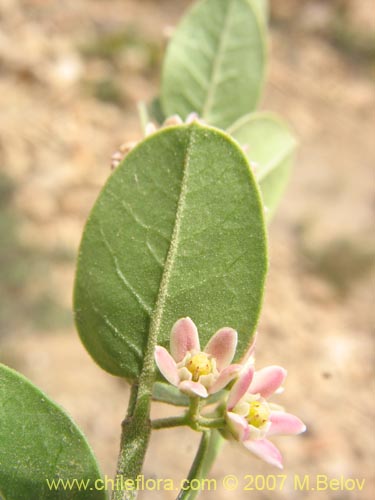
[{"x": 70, "y": 75}]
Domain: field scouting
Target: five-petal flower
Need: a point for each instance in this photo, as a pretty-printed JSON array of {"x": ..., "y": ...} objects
[
  {"x": 251, "y": 418},
  {"x": 196, "y": 372}
]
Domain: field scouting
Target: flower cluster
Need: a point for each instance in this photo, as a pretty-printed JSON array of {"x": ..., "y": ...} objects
[{"x": 249, "y": 416}]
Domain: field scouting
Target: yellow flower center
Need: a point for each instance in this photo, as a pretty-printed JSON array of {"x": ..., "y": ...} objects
[
  {"x": 198, "y": 365},
  {"x": 259, "y": 414}
]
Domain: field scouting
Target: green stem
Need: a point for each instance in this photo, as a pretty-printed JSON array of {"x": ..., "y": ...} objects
[
  {"x": 212, "y": 423},
  {"x": 208, "y": 450},
  {"x": 136, "y": 430},
  {"x": 163, "y": 423},
  {"x": 194, "y": 472},
  {"x": 193, "y": 413},
  {"x": 132, "y": 399}
]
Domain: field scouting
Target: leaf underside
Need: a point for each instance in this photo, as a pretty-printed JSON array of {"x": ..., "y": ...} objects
[
  {"x": 177, "y": 231},
  {"x": 215, "y": 62},
  {"x": 38, "y": 441}
]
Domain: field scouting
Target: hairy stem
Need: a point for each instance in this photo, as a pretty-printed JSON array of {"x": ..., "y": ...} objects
[{"x": 136, "y": 430}]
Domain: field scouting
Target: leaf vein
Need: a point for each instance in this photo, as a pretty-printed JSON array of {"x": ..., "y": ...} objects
[
  {"x": 122, "y": 277},
  {"x": 115, "y": 330},
  {"x": 215, "y": 74}
]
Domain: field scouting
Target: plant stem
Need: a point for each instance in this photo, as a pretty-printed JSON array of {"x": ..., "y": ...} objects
[
  {"x": 193, "y": 413},
  {"x": 196, "y": 465},
  {"x": 208, "y": 450},
  {"x": 212, "y": 423},
  {"x": 163, "y": 423},
  {"x": 136, "y": 430},
  {"x": 132, "y": 399}
]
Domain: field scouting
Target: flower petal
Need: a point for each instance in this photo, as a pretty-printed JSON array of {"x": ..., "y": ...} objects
[
  {"x": 166, "y": 365},
  {"x": 228, "y": 374},
  {"x": 250, "y": 351},
  {"x": 193, "y": 388},
  {"x": 265, "y": 450},
  {"x": 184, "y": 338},
  {"x": 238, "y": 426},
  {"x": 184, "y": 373},
  {"x": 267, "y": 380},
  {"x": 241, "y": 386},
  {"x": 285, "y": 423},
  {"x": 222, "y": 347}
]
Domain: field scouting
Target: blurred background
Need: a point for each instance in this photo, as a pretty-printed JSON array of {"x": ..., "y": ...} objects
[{"x": 71, "y": 73}]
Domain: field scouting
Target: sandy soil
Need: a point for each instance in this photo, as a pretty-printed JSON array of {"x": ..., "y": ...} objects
[{"x": 68, "y": 98}]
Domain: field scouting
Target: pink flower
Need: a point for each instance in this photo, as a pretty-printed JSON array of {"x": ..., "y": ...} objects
[
  {"x": 252, "y": 419},
  {"x": 196, "y": 372}
]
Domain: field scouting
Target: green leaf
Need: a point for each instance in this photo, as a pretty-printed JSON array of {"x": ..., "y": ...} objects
[
  {"x": 177, "y": 231},
  {"x": 39, "y": 442},
  {"x": 271, "y": 145},
  {"x": 215, "y": 62},
  {"x": 166, "y": 393}
]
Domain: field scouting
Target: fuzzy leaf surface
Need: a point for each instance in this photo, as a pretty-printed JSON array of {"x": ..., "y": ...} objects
[
  {"x": 271, "y": 145},
  {"x": 178, "y": 230},
  {"x": 215, "y": 62},
  {"x": 39, "y": 442}
]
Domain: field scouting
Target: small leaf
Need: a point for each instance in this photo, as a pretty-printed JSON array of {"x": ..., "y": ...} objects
[
  {"x": 39, "y": 442},
  {"x": 178, "y": 230},
  {"x": 271, "y": 145},
  {"x": 166, "y": 393},
  {"x": 215, "y": 62}
]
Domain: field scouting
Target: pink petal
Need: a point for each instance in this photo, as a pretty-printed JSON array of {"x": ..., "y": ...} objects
[
  {"x": 228, "y": 374},
  {"x": 251, "y": 349},
  {"x": 285, "y": 423},
  {"x": 193, "y": 388},
  {"x": 184, "y": 338},
  {"x": 238, "y": 426},
  {"x": 267, "y": 380},
  {"x": 192, "y": 117},
  {"x": 222, "y": 347},
  {"x": 241, "y": 386},
  {"x": 166, "y": 365},
  {"x": 265, "y": 450}
]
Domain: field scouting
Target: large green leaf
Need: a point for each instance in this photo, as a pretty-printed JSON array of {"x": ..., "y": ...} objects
[
  {"x": 177, "y": 230},
  {"x": 39, "y": 442},
  {"x": 270, "y": 144},
  {"x": 215, "y": 62}
]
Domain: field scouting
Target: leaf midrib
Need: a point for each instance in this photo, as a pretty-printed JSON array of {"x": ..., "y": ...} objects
[
  {"x": 270, "y": 166},
  {"x": 147, "y": 374},
  {"x": 208, "y": 104}
]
